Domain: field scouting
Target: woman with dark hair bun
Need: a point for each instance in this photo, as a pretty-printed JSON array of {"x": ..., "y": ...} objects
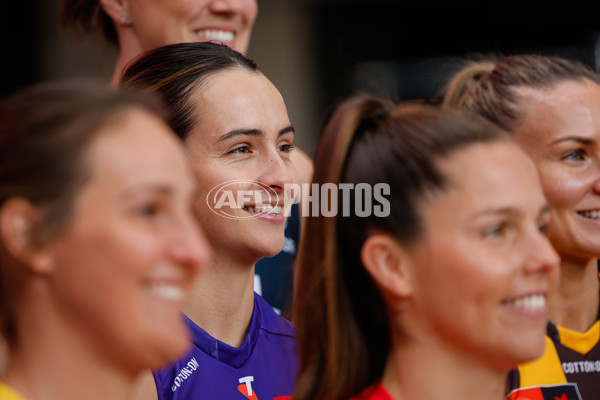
[
  {"x": 239, "y": 140},
  {"x": 98, "y": 244},
  {"x": 441, "y": 289}
]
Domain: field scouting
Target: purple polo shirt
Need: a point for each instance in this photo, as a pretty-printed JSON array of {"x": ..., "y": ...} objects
[{"x": 263, "y": 368}]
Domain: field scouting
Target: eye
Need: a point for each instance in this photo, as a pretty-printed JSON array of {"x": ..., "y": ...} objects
[
  {"x": 497, "y": 230},
  {"x": 576, "y": 155},
  {"x": 240, "y": 149},
  {"x": 543, "y": 228},
  {"x": 148, "y": 210},
  {"x": 286, "y": 148}
]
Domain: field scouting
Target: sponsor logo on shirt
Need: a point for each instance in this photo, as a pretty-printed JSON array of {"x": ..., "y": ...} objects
[
  {"x": 565, "y": 391},
  {"x": 185, "y": 373},
  {"x": 246, "y": 389},
  {"x": 580, "y": 367}
]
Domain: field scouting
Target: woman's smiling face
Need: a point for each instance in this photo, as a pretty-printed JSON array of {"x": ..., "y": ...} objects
[
  {"x": 161, "y": 22},
  {"x": 484, "y": 268},
  {"x": 132, "y": 246},
  {"x": 243, "y": 135},
  {"x": 561, "y": 133}
]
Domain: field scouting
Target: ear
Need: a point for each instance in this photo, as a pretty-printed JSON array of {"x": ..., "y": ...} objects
[
  {"x": 19, "y": 221},
  {"x": 118, "y": 11},
  {"x": 388, "y": 264}
]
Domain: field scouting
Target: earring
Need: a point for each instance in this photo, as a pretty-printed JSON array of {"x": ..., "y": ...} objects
[{"x": 125, "y": 18}]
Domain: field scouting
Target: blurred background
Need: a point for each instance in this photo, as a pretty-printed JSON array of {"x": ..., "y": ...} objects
[{"x": 319, "y": 51}]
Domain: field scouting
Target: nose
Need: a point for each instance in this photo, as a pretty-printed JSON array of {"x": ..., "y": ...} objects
[
  {"x": 228, "y": 6},
  {"x": 189, "y": 246},
  {"x": 541, "y": 257},
  {"x": 596, "y": 186},
  {"x": 276, "y": 171}
]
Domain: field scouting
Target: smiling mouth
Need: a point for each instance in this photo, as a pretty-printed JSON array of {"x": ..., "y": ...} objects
[
  {"x": 166, "y": 291},
  {"x": 534, "y": 302},
  {"x": 216, "y": 34},
  {"x": 592, "y": 214},
  {"x": 266, "y": 209}
]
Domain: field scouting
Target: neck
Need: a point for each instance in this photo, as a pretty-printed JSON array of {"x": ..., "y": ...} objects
[
  {"x": 123, "y": 58},
  {"x": 221, "y": 301},
  {"x": 576, "y": 305},
  {"x": 129, "y": 48},
  {"x": 54, "y": 361},
  {"x": 421, "y": 371}
]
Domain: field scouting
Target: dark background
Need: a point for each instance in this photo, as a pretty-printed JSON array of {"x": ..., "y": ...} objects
[{"x": 319, "y": 51}]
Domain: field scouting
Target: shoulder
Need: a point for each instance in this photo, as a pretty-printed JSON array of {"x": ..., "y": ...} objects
[
  {"x": 8, "y": 393},
  {"x": 272, "y": 322},
  {"x": 374, "y": 392}
]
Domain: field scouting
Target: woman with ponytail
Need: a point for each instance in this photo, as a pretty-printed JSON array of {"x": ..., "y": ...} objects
[
  {"x": 551, "y": 105},
  {"x": 439, "y": 291}
]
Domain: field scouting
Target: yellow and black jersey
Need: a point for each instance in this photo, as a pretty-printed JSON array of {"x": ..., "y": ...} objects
[
  {"x": 8, "y": 393},
  {"x": 568, "y": 369}
]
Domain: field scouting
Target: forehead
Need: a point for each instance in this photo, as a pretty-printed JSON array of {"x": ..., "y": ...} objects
[
  {"x": 487, "y": 175},
  {"x": 236, "y": 98},
  {"x": 134, "y": 146},
  {"x": 566, "y": 108}
]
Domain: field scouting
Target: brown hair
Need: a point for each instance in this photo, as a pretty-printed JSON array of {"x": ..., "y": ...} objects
[
  {"x": 488, "y": 88},
  {"x": 343, "y": 330},
  {"x": 45, "y": 130},
  {"x": 175, "y": 71},
  {"x": 90, "y": 16}
]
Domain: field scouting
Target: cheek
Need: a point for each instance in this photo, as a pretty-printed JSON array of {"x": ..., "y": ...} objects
[
  {"x": 250, "y": 11},
  {"x": 464, "y": 273},
  {"x": 110, "y": 261},
  {"x": 91, "y": 285},
  {"x": 561, "y": 189}
]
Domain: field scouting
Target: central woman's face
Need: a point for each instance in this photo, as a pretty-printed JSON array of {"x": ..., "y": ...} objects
[
  {"x": 484, "y": 268},
  {"x": 561, "y": 133},
  {"x": 243, "y": 137},
  {"x": 132, "y": 246}
]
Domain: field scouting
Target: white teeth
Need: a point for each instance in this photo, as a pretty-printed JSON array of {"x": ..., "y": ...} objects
[
  {"x": 534, "y": 302},
  {"x": 167, "y": 292},
  {"x": 213, "y": 34},
  {"x": 590, "y": 214},
  {"x": 267, "y": 209}
]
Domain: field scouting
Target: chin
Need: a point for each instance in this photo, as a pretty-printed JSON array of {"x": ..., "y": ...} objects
[
  {"x": 268, "y": 253},
  {"x": 268, "y": 246},
  {"x": 169, "y": 349},
  {"x": 529, "y": 353}
]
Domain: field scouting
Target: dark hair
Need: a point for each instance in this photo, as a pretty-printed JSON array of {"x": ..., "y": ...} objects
[
  {"x": 343, "y": 331},
  {"x": 488, "y": 88},
  {"x": 90, "y": 16},
  {"x": 175, "y": 71},
  {"x": 44, "y": 133}
]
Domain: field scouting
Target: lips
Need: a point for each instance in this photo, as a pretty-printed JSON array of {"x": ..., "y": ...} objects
[
  {"x": 531, "y": 302},
  {"x": 216, "y": 34},
  {"x": 590, "y": 214},
  {"x": 265, "y": 208},
  {"x": 171, "y": 292}
]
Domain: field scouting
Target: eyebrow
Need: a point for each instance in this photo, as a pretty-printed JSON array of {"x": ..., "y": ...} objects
[
  {"x": 499, "y": 211},
  {"x": 253, "y": 132},
  {"x": 578, "y": 139},
  {"x": 513, "y": 212},
  {"x": 148, "y": 188},
  {"x": 545, "y": 210}
]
